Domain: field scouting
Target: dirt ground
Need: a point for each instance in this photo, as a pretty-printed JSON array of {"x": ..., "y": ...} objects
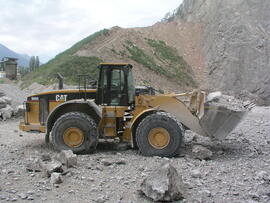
[{"x": 238, "y": 172}]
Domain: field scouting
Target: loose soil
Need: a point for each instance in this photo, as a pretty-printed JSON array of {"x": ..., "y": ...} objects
[{"x": 238, "y": 172}]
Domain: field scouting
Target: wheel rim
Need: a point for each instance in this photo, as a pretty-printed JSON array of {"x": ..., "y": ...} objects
[
  {"x": 73, "y": 137},
  {"x": 159, "y": 138}
]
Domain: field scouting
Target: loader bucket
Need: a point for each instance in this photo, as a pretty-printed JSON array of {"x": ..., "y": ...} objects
[{"x": 219, "y": 121}]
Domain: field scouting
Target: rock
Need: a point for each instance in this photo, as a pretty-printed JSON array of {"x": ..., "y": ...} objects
[
  {"x": 2, "y": 105},
  {"x": 68, "y": 158},
  {"x": 164, "y": 184},
  {"x": 56, "y": 178},
  {"x": 106, "y": 162},
  {"x": 6, "y": 112},
  {"x": 19, "y": 111},
  {"x": 2, "y": 94},
  {"x": 22, "y": 196},
  {"x": 213, "y": 96},
  {"x": 33, "y": 165},
  {"x": 196, "y": 173},
  {"x": 46, "y": 157},
  {"x": 54, "y": 166},
  {"x": 2, "y": 101},
  {"x": 120, "y": 162},
  {"x": 7, "y": 100},
  {"x": 263, "y": 175},
  {"x": 226, "y": 68},
  {"x": 201, "y": 152},
  {"x": 30, "y": 198}
]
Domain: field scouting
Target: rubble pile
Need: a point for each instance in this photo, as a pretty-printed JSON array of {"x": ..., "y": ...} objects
[
  {"x": 6, "y": 109},
  {"x": 53, "y": 168},
  {"x": 228, "y": 102}
]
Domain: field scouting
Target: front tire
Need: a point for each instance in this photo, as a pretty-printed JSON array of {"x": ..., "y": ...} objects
[
  {"x": 159, "y": 134},
  {"x": 75, "y": 131}
]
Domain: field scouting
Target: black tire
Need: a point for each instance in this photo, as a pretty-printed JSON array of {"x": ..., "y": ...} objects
[
  {"x": 160, "y": 120},
  {"x": 80, "y": 121}
]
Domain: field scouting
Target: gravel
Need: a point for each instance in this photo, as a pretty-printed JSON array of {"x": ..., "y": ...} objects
[
  {"x": 229, "y": 102},
  {"x": 237, "y": 172}
]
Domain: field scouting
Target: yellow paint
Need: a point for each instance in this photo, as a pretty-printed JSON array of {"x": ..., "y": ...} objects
[
  {"x": 64, "y": 92},
  {"x": 73, "y": 137},
  {"x": 159, "y": 138},
  {"x": 32, "y": 127},
  {"x": 33, "y": 114},
  {"x": 53, "y": 104}
]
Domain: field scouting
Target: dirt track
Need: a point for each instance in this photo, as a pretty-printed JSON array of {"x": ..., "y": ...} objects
[{"x": 238, "y": 172}]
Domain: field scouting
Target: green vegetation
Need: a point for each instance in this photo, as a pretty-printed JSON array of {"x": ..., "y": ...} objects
[
  {"x": 67, "y": 64},
  {"x": 1, "y": 81},
  {"x": 179, "y": 71},
  {"x": 33, "y": 63}
]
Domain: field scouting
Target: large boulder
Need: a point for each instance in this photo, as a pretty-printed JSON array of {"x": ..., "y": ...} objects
[
  {"x": 56, "y": 178},
  {"x": 7, "y": 112},
  {"x": 51, "y": 167},
  {"x": 3, "y": 103},
  {"x": 68, "y": 158},
  {"x": 201, "y": 152},
  {"x": 164, "y": 184},
  {"x": 2, "y": 94},
  {"x": 19, "y": 111},
  {"x": 7, "y": 100}
]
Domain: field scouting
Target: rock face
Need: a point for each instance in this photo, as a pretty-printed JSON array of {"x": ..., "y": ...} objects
[
  {"x": 236, "y": 43},
  {"x": 164, "y": 184}
]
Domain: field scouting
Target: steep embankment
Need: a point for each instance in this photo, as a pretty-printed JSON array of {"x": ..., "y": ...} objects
[
  {"x": 162, "y": 56},
  {"x": 236, "y": 43}
]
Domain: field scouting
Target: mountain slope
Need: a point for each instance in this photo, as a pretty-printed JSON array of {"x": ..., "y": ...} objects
[
  {"x": 23, "y": 60},
  {"x": 160, "y": 56},
  {"x": 214, "y": 45},
  {"x": 236, "y": 43}
]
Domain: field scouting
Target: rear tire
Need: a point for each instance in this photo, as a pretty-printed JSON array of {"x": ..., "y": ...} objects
[
  {"x": 75, "y": 131},
  {"x": 159, "y": 134}
]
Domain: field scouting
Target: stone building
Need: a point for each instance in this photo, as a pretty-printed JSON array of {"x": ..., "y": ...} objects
[{"x": 9, "y": 67}]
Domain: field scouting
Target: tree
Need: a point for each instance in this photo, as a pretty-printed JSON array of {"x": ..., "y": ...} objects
[
  {"x": 32, "y": 63},
  {"x": 36, "y": 62}
]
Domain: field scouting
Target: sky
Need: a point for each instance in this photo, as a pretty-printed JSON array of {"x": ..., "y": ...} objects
[{"x": 45, "y": 28}]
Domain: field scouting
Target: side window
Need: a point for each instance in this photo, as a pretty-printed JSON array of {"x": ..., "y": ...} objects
[{"x": 117, "y": 86}]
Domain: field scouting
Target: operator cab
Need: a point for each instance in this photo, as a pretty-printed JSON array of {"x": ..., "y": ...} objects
[{"x": 115, "y": 85}]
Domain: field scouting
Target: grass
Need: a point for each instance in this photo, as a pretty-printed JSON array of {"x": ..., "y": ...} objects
[
  {"x": 179, "y": 71},
  {"x": 67, "y": 64},
  {"x": 2, "y": 81}
]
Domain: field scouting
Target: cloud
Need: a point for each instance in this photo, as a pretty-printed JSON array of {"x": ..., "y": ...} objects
[{"x": 45, "y": 28}]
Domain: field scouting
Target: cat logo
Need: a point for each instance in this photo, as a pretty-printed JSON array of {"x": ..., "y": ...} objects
[{"x": 61, "y": 97}]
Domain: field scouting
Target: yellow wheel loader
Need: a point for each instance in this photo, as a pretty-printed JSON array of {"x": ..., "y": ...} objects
[{"x": 77, "y": 119}]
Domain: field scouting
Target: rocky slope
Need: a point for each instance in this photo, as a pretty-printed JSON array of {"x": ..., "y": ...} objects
[
  {"x": 235, "y": 42},
  {"x": 214, "y": 45}
]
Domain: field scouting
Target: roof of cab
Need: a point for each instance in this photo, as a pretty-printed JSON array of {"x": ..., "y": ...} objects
[{"x": 115, "y": 64}]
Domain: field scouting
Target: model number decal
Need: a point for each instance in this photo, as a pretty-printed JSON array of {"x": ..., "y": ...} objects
[{"x": 62, "y": 97}]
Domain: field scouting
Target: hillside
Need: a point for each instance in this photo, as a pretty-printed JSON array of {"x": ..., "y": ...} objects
[
  {"x": 213, "y": 45},
  {"x": 235, "y": 43},
  {"x": 23, "y": 60},
  {"x": 160, "y": 60}
]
